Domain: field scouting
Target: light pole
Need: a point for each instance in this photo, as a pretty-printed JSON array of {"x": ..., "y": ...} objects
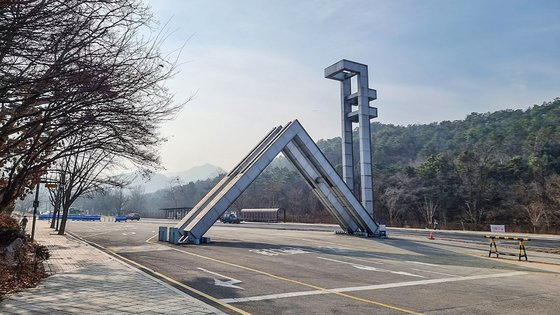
[{"x": 48, "y": 184}]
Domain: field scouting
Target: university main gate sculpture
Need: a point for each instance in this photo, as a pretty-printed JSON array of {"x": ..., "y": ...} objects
[{"x": 295, "y": 143}]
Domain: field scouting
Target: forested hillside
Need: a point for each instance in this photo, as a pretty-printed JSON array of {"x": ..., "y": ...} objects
[{"x": 501, "y": 167}]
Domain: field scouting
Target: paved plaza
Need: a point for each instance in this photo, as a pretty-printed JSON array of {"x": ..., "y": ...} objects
[
  {"x": 300, "y": 269},
  {"x": 85, "y": 280},
  {"x": 257, "y": 269}
]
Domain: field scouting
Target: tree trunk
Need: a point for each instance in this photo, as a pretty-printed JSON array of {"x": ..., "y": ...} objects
[
  {"x": 6, "y": 203},
  {"x": 62, "y": 227},
  {"x": 56, "y": 209},
  {"x": 6, "y": 208},
  {"x": 53, "y": 219}
]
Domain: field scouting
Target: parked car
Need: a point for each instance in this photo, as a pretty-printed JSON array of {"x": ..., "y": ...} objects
[
  {"x": 133, "y": 216},
  {"x": 230, "y": 218}
]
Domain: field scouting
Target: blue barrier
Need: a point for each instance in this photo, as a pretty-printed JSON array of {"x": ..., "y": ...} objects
[
  {"x": 162, "y": 234},
  {"x": 120, "y": 218},
  {"x": 72, "y": 217},
  {"x": 47, "y": 216},
  {"x": 174, "y": 235}
]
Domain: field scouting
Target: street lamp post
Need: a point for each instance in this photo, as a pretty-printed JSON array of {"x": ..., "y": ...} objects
[{"x": 48, "y": 184}]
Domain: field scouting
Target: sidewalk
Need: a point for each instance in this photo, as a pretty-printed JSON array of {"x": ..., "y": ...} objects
[{"x": 86, "y": 280}]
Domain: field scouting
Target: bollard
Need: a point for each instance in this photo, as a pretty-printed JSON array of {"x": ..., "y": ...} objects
[
  {"x": 174, "y": 235},
  {"x": 162, "y": 234}
]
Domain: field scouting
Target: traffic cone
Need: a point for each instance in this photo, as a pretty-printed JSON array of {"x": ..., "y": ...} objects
[{"x": 431, "y": 236}]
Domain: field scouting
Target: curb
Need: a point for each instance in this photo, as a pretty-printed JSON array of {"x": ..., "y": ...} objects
[{"x": 170, "y": 283}]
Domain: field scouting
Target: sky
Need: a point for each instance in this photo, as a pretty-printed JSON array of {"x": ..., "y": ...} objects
[{"x": 253, "y": 65}]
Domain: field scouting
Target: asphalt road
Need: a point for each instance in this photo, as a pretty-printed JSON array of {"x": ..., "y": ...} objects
[
  {"x": 268, "y": 269},
  {"x": 537, "y": 240}
]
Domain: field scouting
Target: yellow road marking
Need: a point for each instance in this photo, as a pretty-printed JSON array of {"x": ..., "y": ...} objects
[
  {"x": 377, "y": 303},
  {"x": 296, "y": 281},
  {"x": 209, "y": 297}
]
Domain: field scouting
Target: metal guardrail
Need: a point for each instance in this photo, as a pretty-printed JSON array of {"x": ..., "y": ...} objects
[{"x": 494, "y": 248}]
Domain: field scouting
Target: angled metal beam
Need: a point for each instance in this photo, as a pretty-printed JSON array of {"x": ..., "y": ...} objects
[{"x": 300, "y": 149}]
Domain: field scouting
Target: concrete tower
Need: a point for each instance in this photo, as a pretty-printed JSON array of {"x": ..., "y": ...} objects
[{"x": 343, "y": 71}]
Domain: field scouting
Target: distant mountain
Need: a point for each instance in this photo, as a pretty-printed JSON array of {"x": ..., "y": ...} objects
[
  {"x": 196, "y": 173},
  {"x": 159, "y": 181}
]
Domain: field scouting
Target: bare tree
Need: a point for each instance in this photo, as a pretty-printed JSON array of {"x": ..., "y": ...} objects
[
  {"x": 536, "y": 212},
  {"x": 25, "y": 204},
  {"x": 71, "y": 68},
  {"x": 116, "y": 200},
  {"x": 241, "y": 202},
  {"x": 392, "y": 197},
  {"x": 474, "y": 167},
  {"x": 553, "y": 193},
  {"x": 399, "y": 195},
  {"x": 109, "y": 201},
  {"x": 85, "y": 173},
  {"x": 429, "y": 208},
  {"x": 172, "y": 193},
  {"x": 136, "y": 200}
]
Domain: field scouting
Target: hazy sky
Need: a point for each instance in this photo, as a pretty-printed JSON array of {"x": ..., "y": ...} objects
[{"x": 257, "y": 64}]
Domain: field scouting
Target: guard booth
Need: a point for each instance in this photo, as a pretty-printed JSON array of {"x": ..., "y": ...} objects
[
  {"x": 263, "y": 215},
  {"x": 176, "y": 213}
]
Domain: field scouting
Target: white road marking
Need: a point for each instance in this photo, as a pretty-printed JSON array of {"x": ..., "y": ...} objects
[
  {"x": 369, "y": 268},
  {"x": 89, "y": 233},
  {"x": 231, "y": 283},
  {"x": 435, "y": 272},
  {"x": 403, "y": 261},
  {"x": 148, "y": 240},
  {"x": 138, "y": 248},
  {"x": 406, "y": 261},
  {"x": 280, "y": 251},
  {"x": 365, "y": 260},
  {"x": 265, "y": 252},
  {"x": 370, "y": 287},
  {"x": 421, "y": 263}
]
